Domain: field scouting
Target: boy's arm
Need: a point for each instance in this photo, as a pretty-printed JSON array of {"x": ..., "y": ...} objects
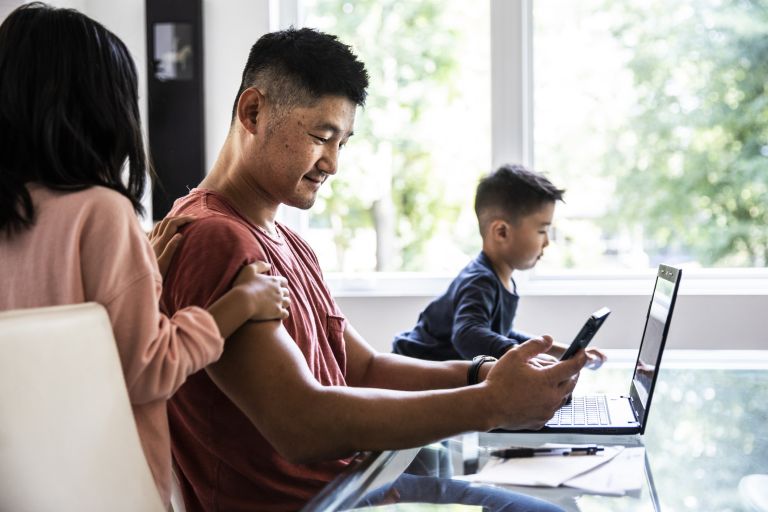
[
  {"x": 472, "y": 333},
  {"x": 519, "y": 336},
  {"x": 265, "y": 375}
]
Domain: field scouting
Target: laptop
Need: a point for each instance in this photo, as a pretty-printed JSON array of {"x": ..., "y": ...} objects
[{"x": 626, "y": 413}]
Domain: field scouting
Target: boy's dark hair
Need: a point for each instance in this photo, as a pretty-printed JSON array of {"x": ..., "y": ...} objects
[
  {"x": 69, "y": 115},
  {"x": 297, "y": 67},
  {"x": 512, "y": 192}
]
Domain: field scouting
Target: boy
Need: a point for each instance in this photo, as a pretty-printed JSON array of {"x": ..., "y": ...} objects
[{"x": 514, "y": 208}]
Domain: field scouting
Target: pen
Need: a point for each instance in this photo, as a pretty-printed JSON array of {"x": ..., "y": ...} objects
[{"x": 514, "y": 453}]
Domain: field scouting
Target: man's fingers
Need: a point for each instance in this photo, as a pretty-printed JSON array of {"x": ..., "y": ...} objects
[
  {"x": 565, "y": 370},
  {"x": 534, "y": 346}
]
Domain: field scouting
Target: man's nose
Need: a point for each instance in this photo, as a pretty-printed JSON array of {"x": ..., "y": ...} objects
[{"x": 329, "y": 159}]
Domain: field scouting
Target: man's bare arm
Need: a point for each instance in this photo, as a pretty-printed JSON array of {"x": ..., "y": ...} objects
[{"x": 265, "y": 374}]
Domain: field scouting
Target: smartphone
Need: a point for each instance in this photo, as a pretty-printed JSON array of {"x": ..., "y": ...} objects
[{"x": 587, "y": 332}]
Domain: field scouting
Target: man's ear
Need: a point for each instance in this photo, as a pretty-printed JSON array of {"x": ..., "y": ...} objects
[{"x": 250, "y": 109}]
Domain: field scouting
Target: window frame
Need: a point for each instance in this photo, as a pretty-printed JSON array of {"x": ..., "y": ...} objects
[{"x": 512, "y": 141}]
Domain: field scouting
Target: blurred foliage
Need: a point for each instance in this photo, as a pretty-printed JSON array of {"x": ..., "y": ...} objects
[
  {"x": 692, "y": 162},
  {"x": 665, "y": 157},
  {"x": 409, "y": 51}
]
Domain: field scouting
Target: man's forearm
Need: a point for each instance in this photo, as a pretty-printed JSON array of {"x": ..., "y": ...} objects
[
  {"x": 266, "y": 376},
  {"x": 340, "y": 421},
  {"x": 394, "y": 371}
]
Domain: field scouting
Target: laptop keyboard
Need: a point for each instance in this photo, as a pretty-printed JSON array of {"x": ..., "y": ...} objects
[{"x": 582, "y": 410}]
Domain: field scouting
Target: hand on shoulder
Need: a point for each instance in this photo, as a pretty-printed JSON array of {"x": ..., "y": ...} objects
[
  {"x": 269, "y": 295},
  {"x": 165, "y": 239}
]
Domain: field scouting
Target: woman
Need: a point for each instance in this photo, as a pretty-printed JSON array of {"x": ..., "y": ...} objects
[{"x": 69, "y": 120}]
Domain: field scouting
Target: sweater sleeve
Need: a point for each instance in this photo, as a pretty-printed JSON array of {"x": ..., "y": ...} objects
[
  {"x": 472, "y": 333},
  {"x": 519, "y": 336},
  {"x": 120, "y": 271}
]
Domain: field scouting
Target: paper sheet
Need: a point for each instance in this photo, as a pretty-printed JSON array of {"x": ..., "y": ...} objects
[
  {"x": 615, "y": 471},
  {"x": 624, "y": 474}
]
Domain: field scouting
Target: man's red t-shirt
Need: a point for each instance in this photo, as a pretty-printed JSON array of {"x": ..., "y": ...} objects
[{"x": 224, "y": 463}]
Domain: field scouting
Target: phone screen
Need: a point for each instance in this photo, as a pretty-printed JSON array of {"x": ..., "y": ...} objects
[{"x": 587, "y": 332}]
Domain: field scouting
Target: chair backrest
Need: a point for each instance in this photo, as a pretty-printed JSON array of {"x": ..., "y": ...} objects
[{"x": 68, "y": 440}]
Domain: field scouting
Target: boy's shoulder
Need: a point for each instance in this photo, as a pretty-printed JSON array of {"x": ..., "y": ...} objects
[{"x": 479, "y": 271}]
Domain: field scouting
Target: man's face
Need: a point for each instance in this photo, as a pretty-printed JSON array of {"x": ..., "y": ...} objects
[
  {"x": 301, "y": 150},
  {"x": 528, "y": 238}
]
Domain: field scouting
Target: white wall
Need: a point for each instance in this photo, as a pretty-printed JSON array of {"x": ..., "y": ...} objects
[
  {"x": 6, "y": 6},
  {"x": 231, "y": 27}
]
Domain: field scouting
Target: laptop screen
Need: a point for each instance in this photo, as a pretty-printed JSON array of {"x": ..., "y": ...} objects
[{"x": 654, "y": 337}]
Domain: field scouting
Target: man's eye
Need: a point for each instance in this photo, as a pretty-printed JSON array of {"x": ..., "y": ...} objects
[{"x": 321, "y": 140}]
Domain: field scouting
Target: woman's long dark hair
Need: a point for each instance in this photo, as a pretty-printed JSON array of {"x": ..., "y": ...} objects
[{"x": 69, "y": 115}]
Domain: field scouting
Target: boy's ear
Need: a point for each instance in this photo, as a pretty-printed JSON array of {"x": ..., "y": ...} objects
[
  {"x": 250, "y": 106},
  {"x": 499, "y": 229}
]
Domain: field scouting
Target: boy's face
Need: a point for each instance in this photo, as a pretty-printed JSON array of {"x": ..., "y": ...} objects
[{"x": 528, "y": 238}]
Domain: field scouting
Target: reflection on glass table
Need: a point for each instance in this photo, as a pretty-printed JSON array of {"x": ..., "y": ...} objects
[{"x": 706, "y": 434}]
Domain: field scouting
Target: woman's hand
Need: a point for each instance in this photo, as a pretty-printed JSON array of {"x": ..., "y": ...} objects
[
  {"x": 268, "y": 295},
  {"x": 165, "y": 239}
]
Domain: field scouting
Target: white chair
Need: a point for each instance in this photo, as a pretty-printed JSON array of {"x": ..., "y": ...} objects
[
  {"x": 68, "y": 440},
  {"x": 177, "y": 496}
]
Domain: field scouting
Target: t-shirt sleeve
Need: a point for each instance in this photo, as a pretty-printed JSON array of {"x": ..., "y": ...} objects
[
  {"x": 212, "y": 253},
  {"x": 472, "y": 334},
  {"x": 120, "y": 272}
]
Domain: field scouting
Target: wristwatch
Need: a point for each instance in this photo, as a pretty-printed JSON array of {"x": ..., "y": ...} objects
[{"x": 474, "y": 369}]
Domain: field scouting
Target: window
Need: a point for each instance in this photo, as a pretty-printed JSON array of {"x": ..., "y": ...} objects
[
  {"x": 651, "y": 114},
  {"x": 400, "y": 201}
]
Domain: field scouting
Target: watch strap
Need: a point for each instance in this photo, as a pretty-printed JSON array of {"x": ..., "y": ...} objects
[{"x": 473, "y": 373}]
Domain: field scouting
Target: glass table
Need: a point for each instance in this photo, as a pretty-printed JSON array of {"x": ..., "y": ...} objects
[{"x": 707, "y": 431}]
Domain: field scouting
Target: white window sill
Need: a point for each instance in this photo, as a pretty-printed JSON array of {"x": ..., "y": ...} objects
[
  {"x": 696, "y": 281},
  {"x": 696, "y": 359}
]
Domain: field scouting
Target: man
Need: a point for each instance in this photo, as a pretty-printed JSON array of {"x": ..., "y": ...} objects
[{"x": 269, "y": 424}]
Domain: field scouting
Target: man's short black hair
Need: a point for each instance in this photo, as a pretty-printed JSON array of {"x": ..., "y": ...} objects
[
  {"x": 296, "y": 67},
  {"x": 512, "y": 192}
]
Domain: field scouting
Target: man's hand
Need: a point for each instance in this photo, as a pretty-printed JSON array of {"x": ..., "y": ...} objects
[
  {"x": 524, "y": 393},
  {"x": 165, "y": 239}
]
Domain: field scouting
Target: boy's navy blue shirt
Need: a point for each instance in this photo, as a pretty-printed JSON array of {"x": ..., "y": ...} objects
[{"x": 473, "y": 317}]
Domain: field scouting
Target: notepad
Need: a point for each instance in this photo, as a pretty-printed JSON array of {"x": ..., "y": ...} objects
[{"x": 614, "y": 471}]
